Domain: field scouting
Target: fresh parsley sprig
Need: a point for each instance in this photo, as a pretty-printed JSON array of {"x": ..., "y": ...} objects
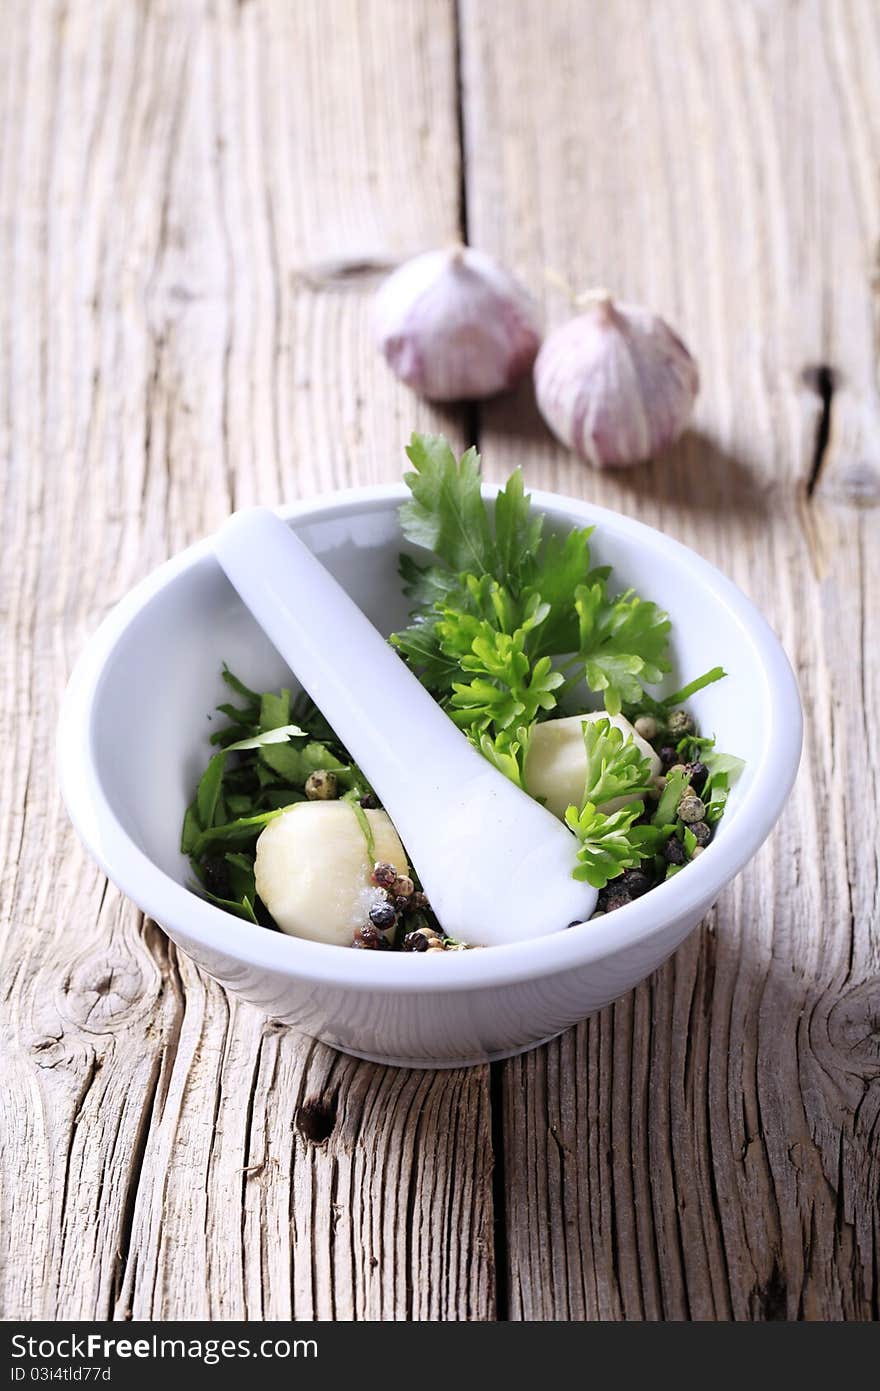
[
  {"x": 616, "y": 767},
  {"x": 507, "y": 618},
  {"x": 610, "y": 844},
  {"x": 501, "y": 609}
]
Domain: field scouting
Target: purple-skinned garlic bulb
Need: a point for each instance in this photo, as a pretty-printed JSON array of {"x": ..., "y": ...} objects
[
  {"x": 615, "y": 384},
  {"x": 455, "y": 326}
]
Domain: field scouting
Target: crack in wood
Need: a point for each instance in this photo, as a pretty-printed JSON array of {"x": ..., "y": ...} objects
[
  {"x": 499, "y": 1192},
  {"x": 129, "y": 1201},
  {"x": 823, "y": 381}
]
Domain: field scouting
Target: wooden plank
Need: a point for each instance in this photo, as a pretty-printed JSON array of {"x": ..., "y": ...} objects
[
  {"x": 707, "y": 1147},
  {"x": 194, "y": 199}
]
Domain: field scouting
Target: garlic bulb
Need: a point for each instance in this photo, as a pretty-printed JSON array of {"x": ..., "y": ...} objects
[
  {"x": 454, "y": 326},
  {"x": 615, "y": 384}
]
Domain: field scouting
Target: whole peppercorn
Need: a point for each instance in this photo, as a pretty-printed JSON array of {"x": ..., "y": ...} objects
[
  {"x": 698, "y": 773},
  {"x": 400, "y": 903},
  {"x": 668, "y": 756},
  {"x": 636, "y": 882},
  {"x": 647, "y": 727},
  {"x": 702, "y": 832},
  {"x": 383, "y": 914},
  {"x": 402, "y": 886},
  {"x": 383, "y": 874},
  {"x": 418, "y": 902},
  {"x": 436, "y": 946},
  {"x": 614, "y": 896},
  {"x": 674, "y": 852},
  {"x": 322, "y": 785},
  {"x": 691, "y": 808},
  {"x": 370, "y": 939},
  {"x": 368, "y": 802},
  {"x": 678, "y": 768},
  {"x": 680, "y": 723},
  {"x": 415, "y": 941}
]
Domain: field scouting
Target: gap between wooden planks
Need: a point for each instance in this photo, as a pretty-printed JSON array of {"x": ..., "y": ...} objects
[
  {"x": 188, "y": 243},
  {"x": 181, "y": 220},
  {"x": 707, "y": 1147}
]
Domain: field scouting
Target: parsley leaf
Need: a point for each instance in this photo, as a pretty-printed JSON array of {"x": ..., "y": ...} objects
[
  {"x": 667, "y": 807},
  {"x": 508, "y": 751},
  {"x": 623, "y": 643},
  {"x": 610, "y": 844},
  {"x": 615, "y": 765},
  {"x": 447, "y": 514},
  {"x": 517, "y": 531}
]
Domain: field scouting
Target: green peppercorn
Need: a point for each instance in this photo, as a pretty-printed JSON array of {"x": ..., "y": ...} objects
[
  {"x": 679, "y": 724},
  {"x": 322, "y": 785},
  {"x": 691, "y": 808}
]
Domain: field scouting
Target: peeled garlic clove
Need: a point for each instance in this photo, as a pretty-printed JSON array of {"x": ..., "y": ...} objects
[
  {"x": 615, "y": 384},
  {"x": 313, "y": 870},
  {"x": 556, "y": 765},
  {"x": 455, "y": 326}
]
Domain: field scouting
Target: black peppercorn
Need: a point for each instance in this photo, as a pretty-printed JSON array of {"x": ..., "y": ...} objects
[
  {"x": 368, "y": 802},
  {"x": 698, "y": 774},
  {"x": 614, "y": 895},
  {"x": 636, "y": 882},
  {"x": 415, "y": 941},
  {"x": 383, "y": 874},
  {"x": 383, "y": 914},
  {"x": 674, "y": 852},
  {"x": 418, "y": 902},
  {"x": 370, "y": 939},
  {"x": 668, "y": 757},
  {"x": 701, "y": 831}
]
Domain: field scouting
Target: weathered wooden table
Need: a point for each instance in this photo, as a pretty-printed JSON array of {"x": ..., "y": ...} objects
[{"x": 197, "y": 202}]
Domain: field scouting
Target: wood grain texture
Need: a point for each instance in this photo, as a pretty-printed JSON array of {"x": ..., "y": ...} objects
[
  {"x": 195, "y": 199},
  {"x": 707, "y": 1148}
]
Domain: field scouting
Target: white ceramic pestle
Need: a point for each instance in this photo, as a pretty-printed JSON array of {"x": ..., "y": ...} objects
[{"x": 495, "y": 865}]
